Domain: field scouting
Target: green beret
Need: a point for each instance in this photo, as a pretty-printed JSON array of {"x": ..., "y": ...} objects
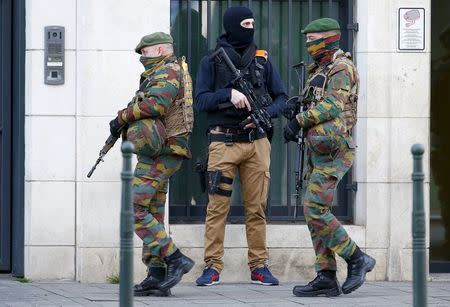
[
  {"x": 321, "y": 25},
  {"x": 154, "y": 39}
]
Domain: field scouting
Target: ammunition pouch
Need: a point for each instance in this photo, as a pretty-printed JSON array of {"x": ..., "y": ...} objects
[
  {"x": 214, "y": 180},
  {"x": 180, "y": 116}
]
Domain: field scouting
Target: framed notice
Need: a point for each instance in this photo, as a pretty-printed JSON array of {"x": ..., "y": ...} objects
[{"x": 411, "y": 29}]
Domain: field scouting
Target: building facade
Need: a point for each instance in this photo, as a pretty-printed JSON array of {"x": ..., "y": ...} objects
[{"x": 70, "y": 223}]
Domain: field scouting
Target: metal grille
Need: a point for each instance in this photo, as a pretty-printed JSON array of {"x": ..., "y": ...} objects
[
  {"x": 195, "y": 25},
  {"x": 54, "y": 48}
]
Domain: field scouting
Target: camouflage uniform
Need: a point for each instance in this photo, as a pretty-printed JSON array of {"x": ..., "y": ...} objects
[
  {"x": 330, "y": 155},
  {"x": 158, "y": 157},
  {"x": 331, "y": 96}
]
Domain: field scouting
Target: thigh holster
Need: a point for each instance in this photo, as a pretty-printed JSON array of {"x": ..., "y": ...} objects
[{"x": 214, "y": 179}]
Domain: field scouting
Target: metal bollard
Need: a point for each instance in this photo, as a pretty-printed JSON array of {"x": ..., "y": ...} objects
[
  {"x": 126, "y": 229},
  {"x": 418, "y": 230}
]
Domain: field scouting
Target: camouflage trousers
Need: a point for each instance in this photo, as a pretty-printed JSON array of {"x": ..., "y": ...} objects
[
  {"x": 328, "y": 161},
  {"x": 150, "y": 183}
]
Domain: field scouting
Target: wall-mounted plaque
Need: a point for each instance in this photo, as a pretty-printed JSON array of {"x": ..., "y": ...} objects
[{"x": 411, "y": 29}]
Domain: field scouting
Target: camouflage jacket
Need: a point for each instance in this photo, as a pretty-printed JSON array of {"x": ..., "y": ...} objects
[
  {"x": 324, "y": 117},
  {"x": 164, "y": 87}
]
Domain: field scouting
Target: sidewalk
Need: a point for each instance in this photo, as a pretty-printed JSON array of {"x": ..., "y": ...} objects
[{"x": 14, "y": 293}]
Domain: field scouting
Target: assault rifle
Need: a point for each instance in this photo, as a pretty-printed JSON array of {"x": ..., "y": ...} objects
[
  {"x": 258, "y": 114},
  {"x": 108, "y": 145},
  {"x": 300, "y": 160},
  {"x": 112, "y": 139}
]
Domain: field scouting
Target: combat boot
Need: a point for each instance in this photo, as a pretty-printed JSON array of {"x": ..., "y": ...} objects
[
  {"x": 177, "y": 265},
  {"x": 325, "y": 283},
  {"x": 356, "y": 272},
  {"x": 149, "y": 286}
]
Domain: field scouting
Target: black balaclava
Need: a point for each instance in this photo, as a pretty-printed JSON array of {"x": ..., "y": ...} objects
[{"x": 237, "y": 35}]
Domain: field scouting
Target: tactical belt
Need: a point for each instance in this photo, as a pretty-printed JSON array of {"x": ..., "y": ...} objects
[
  {"x": 229, "y": 130},
  {"x": 230, "y": 138}
]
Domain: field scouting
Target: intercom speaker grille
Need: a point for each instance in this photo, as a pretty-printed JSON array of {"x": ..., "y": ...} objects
[{"x": 54, "y": 48}]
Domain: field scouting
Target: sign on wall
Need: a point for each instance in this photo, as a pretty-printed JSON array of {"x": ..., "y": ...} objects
[{"x": 411, "y": 29}]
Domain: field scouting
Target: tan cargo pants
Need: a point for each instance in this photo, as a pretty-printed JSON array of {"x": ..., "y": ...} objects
[{"x": 253, "y": 161}]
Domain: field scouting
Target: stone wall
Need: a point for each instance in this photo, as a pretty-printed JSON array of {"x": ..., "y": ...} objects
[
  {"x": 71, "y": 222},
  {"x": 393, "y": 115}
]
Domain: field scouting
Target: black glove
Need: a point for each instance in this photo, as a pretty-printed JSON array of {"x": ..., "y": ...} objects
[
  {"x": 115, "y": 127},
  {"x": 291, "y": 108},
  {"x": 291, "y": 131}
]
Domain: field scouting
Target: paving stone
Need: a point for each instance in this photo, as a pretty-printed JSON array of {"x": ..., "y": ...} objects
[{"x": 382, "y": 294}]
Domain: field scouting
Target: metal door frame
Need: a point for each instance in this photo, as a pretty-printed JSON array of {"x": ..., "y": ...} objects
[
  {"x": 12, "y": 171},
  {"x": 18, "y": 133},
  {"x": 5, "y": 135}
]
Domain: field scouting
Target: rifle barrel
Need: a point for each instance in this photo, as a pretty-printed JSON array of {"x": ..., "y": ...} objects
[
  {"x": 300, "y": 70},
  {"x": 93, "y": 168}
]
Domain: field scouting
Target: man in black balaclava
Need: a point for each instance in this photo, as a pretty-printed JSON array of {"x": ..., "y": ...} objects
[
  {"x": 239, "y": 36},
  {"x": 233, "y": 147}
]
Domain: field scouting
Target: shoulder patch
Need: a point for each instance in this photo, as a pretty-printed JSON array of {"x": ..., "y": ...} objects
[{"x": 262, "y": 53}]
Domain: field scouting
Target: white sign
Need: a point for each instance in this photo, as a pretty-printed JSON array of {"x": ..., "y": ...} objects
[
  {"x": 411, "y": 29},
  {"x": 54, "y": 64}
]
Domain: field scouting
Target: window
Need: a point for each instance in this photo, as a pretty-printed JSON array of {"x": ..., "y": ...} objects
[{"x": 195, "y": 25}]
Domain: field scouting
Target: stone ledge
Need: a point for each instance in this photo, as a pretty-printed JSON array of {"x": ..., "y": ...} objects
[
  {"x": 278, "y": 236},
  {"x": 287, "y": 264}
]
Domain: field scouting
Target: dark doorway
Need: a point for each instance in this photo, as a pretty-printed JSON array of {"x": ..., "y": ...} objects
[
  {"x": 12, "y": 115},
  {"x": 440, "y": 138}
]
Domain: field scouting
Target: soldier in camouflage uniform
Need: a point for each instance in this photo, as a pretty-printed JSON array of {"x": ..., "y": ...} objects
[
  {"x": 330, "y": 88},
  {"x": 150, "y": 121}
]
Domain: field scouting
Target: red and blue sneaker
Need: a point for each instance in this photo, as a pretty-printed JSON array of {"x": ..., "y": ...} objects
[
  {"x": 209, "y": 277},
  {"x": 262, "y": 276}
]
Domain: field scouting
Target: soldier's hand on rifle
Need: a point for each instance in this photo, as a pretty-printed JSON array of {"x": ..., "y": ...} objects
[
  {"x": 291, "y": 108},
  {"x": 114, "y": 127},
  {"x": 239, "y": 100},
  {"x": 291, "y": 130}
]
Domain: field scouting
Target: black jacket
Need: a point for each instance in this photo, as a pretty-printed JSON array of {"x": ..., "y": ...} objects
[{"x": 207, "y": 98}]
